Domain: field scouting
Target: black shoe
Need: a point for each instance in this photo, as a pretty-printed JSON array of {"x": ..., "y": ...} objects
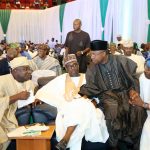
[{"x": 62, "y": 145}]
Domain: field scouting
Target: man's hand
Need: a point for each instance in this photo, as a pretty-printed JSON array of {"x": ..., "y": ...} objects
[
  {"x": 135, "y": 98},
  {"x": 36, "y": 102},
  {"x": 133, "y": 94},
  {"x": 137, "y": 102},
  {"x": 94, "y": 103},
  {"x": 78, "y": 53},
  {"x": 24, "y": 95}
]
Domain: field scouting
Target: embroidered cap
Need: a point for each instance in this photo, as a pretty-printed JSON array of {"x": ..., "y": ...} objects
[
  {"x": 70, "y": 58},
  {"x": 14, "y": 45}
]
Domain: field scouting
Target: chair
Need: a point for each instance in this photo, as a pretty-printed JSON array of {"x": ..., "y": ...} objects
[{"x": 44, "y": 80}]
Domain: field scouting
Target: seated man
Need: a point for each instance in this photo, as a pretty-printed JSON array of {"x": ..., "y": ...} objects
[
  {"x": 113, "y": 49},
  {"x": 14, "y": 87},
  {"x": 45, "y": 62},
  {"x": 77, "y": 117},
  {"x": 11, "y": 54},
  {"x": 4, "y": 63},
  {"x": 110, "y": 78},
  {"x": 144, "y": 101},
  {"x": 24, "y": 51},
  {"x": 139, "y": 60}
]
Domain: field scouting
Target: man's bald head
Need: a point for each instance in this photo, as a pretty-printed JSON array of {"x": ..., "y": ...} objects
[
  {"x": 78, "y": 20},
  {"x": 77, "y": 25}
]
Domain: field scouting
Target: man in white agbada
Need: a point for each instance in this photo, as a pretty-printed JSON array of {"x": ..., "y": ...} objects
[
  {"x": 77, "y": 116},
  {"x": 13, "y": 87},
  {"x": 140, "y": 60},
  {"x": 144, "y": 101}
]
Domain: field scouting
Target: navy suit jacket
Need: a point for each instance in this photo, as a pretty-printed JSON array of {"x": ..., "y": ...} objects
[{"x": 4, "y": 66}]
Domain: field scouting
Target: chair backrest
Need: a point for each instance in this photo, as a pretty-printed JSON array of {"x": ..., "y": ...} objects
[{"x": 44, "y": 80}]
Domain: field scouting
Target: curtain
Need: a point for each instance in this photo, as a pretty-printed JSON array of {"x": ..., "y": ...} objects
[
  {"x": 103, "y": 9},
  {"x": 148, "y": 36},
  {"x": 25, "y": 25},
  {"x": 86, "y": 10},
  {"x": 4, "y": 19},
  {"x": 51, "y": 24},
  {"x": 61, "y": 17},
  {"x": 71, "y": 13},
  {"x": 129, "y": 22},
  {"x": 1, "y": 33},
  {"x": 36, "y": 26},
  {"x": 117, "y": 12},
  {"x": 91, "y": 19},
  {"x": 139, "y": 21},
  {"x": 108, "y": 28}
]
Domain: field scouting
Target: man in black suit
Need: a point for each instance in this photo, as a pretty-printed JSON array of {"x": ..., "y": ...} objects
[{"x": 4, "y": 63}]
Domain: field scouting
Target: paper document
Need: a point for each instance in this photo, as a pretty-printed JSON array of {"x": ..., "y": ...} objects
[
  {"x": 17, "y": 132},
  {"x": 38, "y": 128},
  {"x": 22, "y": 103},
  {"x": 28, "y": 131}
]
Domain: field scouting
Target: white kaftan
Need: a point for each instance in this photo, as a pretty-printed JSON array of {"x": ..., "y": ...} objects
[
  {"x": 145, "y": 95},
  {"x": 80, "y": 111},
  {"x": 8, "y": 87}
]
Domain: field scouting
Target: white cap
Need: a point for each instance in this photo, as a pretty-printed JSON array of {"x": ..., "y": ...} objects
[
  {"x": 127, "y": 43},
  {"x": 19, "y": 61}
]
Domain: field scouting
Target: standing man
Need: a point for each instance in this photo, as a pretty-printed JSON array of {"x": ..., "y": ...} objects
[
  {"x": 111, "y": 78},
  {"x": 78, "y": 43}
]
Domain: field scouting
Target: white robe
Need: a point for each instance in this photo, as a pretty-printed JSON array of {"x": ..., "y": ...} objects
[
  {"x": 8, "y": 87},
  {"x": 81, "y": 112},
  {"x": 140, "y": 60},
  {"x": 145, "y": 95}
]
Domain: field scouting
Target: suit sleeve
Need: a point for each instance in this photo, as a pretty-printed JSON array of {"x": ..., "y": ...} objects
[{"x": 91, "y": 88}]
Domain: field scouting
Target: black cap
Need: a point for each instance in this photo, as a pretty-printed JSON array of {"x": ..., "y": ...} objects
[{"x": 98, "y": 45}]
